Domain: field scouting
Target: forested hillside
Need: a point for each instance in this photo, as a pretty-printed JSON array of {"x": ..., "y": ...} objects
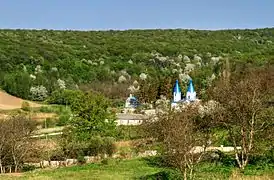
[{"x": 35, "y": 63}]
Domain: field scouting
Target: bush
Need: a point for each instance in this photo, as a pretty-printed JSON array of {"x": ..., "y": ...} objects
[
  {"x": 129, "y": 132},
  {"x": 63, "y": 119},
  {"x": 64, "y": 97},
  {"x": 94, "y": 147},
  {"x": 25, "y": 106},
  {"x": 46, "y": 109},
  {"x": 27, "y": 167}
]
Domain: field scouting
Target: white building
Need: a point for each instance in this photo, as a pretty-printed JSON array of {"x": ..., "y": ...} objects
[
  {"x": 130, "y": 119},
  {"x": 177, "y": 94}
]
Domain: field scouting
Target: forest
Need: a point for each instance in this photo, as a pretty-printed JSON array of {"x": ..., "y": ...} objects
[{"x": 35, "y": 64}]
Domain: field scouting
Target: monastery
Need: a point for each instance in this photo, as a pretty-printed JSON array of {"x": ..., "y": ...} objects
[{"x": 129, "y": 118}]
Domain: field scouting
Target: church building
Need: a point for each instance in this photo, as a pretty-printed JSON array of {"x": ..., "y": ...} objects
[{"x": 177, "y": 94}]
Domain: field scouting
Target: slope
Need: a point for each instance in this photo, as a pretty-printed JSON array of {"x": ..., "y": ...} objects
[{"x": 9, "y": 102}]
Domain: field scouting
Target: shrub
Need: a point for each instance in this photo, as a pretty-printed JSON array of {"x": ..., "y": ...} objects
[
  {"x": 25, "y": 106},
  {"x": 63, "y": 119},
  {"x": 94, "y": 147},
  {"x": 64, "y": 97},
  {"x": 27, "y": 167}
]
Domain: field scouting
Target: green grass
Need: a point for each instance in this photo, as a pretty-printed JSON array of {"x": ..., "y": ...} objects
[
  {"x": 125, "y": 169},
  {"x": 137, "y": 168}
]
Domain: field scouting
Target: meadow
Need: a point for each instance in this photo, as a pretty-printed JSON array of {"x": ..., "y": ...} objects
[{"x": 140, "y": 168}]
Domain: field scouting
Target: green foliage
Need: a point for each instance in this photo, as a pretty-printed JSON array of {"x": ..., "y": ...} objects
[
  {"x": 49, "y": 123},
  {"x": 73, "y": 148},
  {"x": 63, "y": 118},
  {"x": 91, "y": 116},
  {"x": 126, "y": 132},
  {"x": 17, "y": 83},
  {"x": 83, "y": 57},
  {"x": 165, "y": 174},
  {"x": 25, "y": 106},
  {"x": 89, "y": 129},
  {"x": 64, "y": 97},
  {"x": 58, "y": 109}
]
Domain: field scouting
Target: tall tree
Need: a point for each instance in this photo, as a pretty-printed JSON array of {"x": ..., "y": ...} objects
[
  {"x": 92, "y": 116},
  {"x": 242, "y": 109},
  {"x": 179, "y": 134}
]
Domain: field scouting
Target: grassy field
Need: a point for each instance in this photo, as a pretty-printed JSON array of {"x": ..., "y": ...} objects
[
  {"x": 136, "y": 169},
  {"x": 128, "y": 169}
]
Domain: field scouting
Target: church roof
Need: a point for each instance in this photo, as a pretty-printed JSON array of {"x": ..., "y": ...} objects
[
  {"x": 190, "y": 87},
  {"x": 176, "y": 87}
]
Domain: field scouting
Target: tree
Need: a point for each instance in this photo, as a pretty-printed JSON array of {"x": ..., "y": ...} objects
[
  {"x": 16, "y": 142},
  {"x": 181, "y": 137},
  {"x": 92, "y": 116},
  {"x": 242, "y": 108}
]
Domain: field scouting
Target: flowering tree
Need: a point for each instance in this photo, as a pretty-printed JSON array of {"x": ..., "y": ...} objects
[{"x": 38, "y": 93}]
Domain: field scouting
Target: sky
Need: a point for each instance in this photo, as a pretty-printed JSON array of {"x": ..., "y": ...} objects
[{"x": 136, "y": 14}]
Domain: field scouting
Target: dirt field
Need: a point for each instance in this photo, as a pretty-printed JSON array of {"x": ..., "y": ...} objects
[{"x": 8, "y": 102}]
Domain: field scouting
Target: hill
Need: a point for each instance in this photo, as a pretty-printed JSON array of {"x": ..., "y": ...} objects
[
  {"x": 8, "y": 102},
  {"x": 35, "y": 63}
]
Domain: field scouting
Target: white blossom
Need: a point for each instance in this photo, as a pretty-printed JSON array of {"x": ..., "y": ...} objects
[
  {"x": 162, "y": 59},
  {"x": 208, "y": 107},
  {"x": 180, "y": 57},
  {"x": 90, "y": 62},
  {"x": 177, "y": 64},
  {"x": 124, "y": 72},
  {"x": 184, "y": 77},
  {"x": 38, "y": 69},
  {"x": 61, "y": 83},
  {"x": 130, "y": 61},
  {"x": 133, "y": 89},
  {"x": 122, "y": 79},
  {"x": 213, "y": 76},
  {"x": 197, "y": 58},
  {"x": 189, "y": 67},
  {"x": 215, "y": 60},
  {"x": 199, "y": 64},
  {"x": 186, "y": 59},
  {"x": 211, "y": 79},
  {"x": 38, "y": 93},
  {"x": 135, "y": 83},
  {"x": 54, "y": 69},
  {"x": 102, "y": 62},
  {"x": 174, "y": 71},
  {"x": 143, "y": 76},
  {"x": 25, "y": 68},
  {"x": 32, "y": 76},
  {"x": 208, "y": 54}
]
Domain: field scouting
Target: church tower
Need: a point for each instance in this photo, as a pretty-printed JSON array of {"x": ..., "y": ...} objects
[
  {"x": 190, "y": 94},
  {"x": 177, "y": 92}
]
